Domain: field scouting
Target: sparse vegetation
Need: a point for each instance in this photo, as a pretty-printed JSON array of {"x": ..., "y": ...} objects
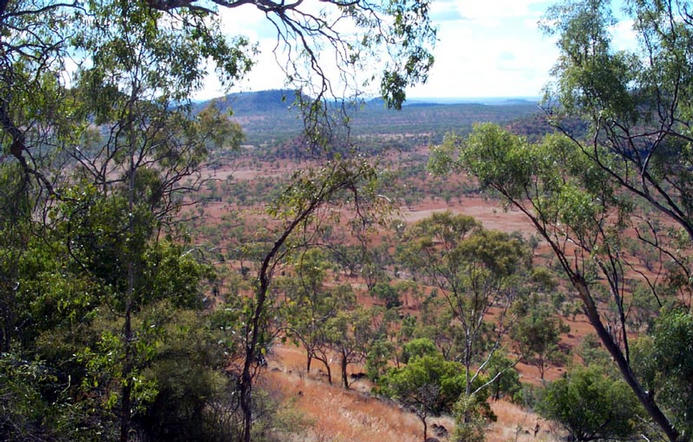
[{"x": 282, "y": 265}]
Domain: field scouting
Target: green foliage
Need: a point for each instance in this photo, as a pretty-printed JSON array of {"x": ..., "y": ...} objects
[
  {"x": 387, "y": 293},
  {"x": 429, "y": 384},
  {"x": 96, "y": 163},
  {"x": 380, "y": 352},
  {"x": 507, "y": 379},
  {"x": 536, "y": 334},
  {"x": 591, "y": 351},
  {"x": 665, "y": 361},
  {"x": 475, "y": 268},
  {"x": 186, "y": 371},
  {"x": 591, "y": 405},
  {"x": 577, "y": 204},
  {"x": 417, "y": 348},
  {"x": 350, "y": 334},
  {"x": 472, "y": 417},
  {"x": 629, "y": 96},
  {"x": 34, "y": 404},
  {"x": 311, "y": 306}
]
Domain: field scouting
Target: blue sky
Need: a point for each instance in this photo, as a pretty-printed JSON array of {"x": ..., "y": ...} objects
[{"x": 486, "y": 48}]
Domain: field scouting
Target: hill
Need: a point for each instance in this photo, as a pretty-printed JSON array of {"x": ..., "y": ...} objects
[{"x": 268, "y": 117}]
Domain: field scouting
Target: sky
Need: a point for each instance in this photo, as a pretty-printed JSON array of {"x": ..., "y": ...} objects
[{"x": 485, "y": 48}]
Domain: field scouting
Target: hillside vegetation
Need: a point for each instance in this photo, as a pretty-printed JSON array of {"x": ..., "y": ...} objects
[{"x": 279, "y": 266}]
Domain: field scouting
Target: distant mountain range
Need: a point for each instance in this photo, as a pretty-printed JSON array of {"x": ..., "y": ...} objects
[
  {"x": 282, "y": 99},
  {"x": 253, "y": 102},
  {"x": 270, "y": 116}
]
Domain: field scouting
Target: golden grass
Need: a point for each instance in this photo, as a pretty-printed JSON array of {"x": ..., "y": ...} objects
[{"x": 354, "y": 415}]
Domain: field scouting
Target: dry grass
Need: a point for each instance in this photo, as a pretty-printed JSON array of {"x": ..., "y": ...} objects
[{"x": 340, "y": 415}]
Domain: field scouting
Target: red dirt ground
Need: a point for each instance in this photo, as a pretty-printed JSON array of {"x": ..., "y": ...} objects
[{"x": 356, "y": 415}]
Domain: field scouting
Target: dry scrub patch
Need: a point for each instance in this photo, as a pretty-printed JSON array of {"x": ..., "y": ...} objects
[{"x": 340, "y": 415}]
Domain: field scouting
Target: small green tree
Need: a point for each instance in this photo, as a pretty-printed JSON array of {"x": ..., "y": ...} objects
[
  {"x": 350, "y": 334},
  {"x": 591, "y": 405},
  {"x": 310, "y": 304},
  {"x": 388, "y": 294},
  {"x": 428, "y": 385},
  {"x": 506, "y": 379},
  {"x": 536, "y": 335},
  {"x": 380, "y": 352},
  {"x": 475, "y": 269}
]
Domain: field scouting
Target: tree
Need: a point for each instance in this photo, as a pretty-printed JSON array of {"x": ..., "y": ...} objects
[
  {"x": 310, "y": 193},
  {"x": 591, "y": 405},
  {"x": 636, "y": 102},
  {"x": 508, "y": 382},
  {"x": 428, "y": 385},
  {"x": 663, "y": 360},
  {"x": 387, "y": 293},
  {"x": 536, "y": 335},
  {"x": 475, "y": 270},
  {"x": 379, "y": 354},
  {"x": 16, "y": 225},
  {"x": 310, "y": 305},
  {"x": 122, "y": 127},
  {"x": 575, "y": 207},
  {"x": 40, "y": 35},
  {"x": 351, "y": 333}
]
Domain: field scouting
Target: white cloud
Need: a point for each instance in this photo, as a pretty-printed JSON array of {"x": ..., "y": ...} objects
[
  {"x": 498, "y": 9},
  {"x": 496, "y": 51},
  {"x": 624, "y": 36},
  {"x": 485, "y": 48}
]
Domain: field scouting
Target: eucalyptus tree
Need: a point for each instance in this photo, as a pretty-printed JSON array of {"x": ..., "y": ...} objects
[
  {"x": 575, "y": 207},
  {"x": 119, "y": 146},
  {"x": 591, "y": 406},
  {"x": 537, "y": 333},
  {"x": 310, "y": 304},
  {"x": 637, "y": 101},
  {"x": 313, "y": 194},
  {"x": 584, "y": 194},
  {"x": 428, "y": 385},
  {"x": 41, "y": 39},
  {"x": 475, "y": 270},
  {"x": 351, "y": 333}
]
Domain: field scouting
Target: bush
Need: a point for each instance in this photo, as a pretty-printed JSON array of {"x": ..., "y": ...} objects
[{"x": 591, "y": 405}]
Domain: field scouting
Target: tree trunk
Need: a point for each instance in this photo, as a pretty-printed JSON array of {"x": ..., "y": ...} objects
[
  {"x": 329, "y": 372},
  {"x": 245, "y": 387},
  {"x": 590, "y": 309},
  {"x": 423, "y": 419},
  {"x": 126, "y": 391},
  {"x": 612, "y": 347},
  {"x": 542, "y": 368},
  {"x": 309, "y": 359},
  {"x": 345, "y": 378}
]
